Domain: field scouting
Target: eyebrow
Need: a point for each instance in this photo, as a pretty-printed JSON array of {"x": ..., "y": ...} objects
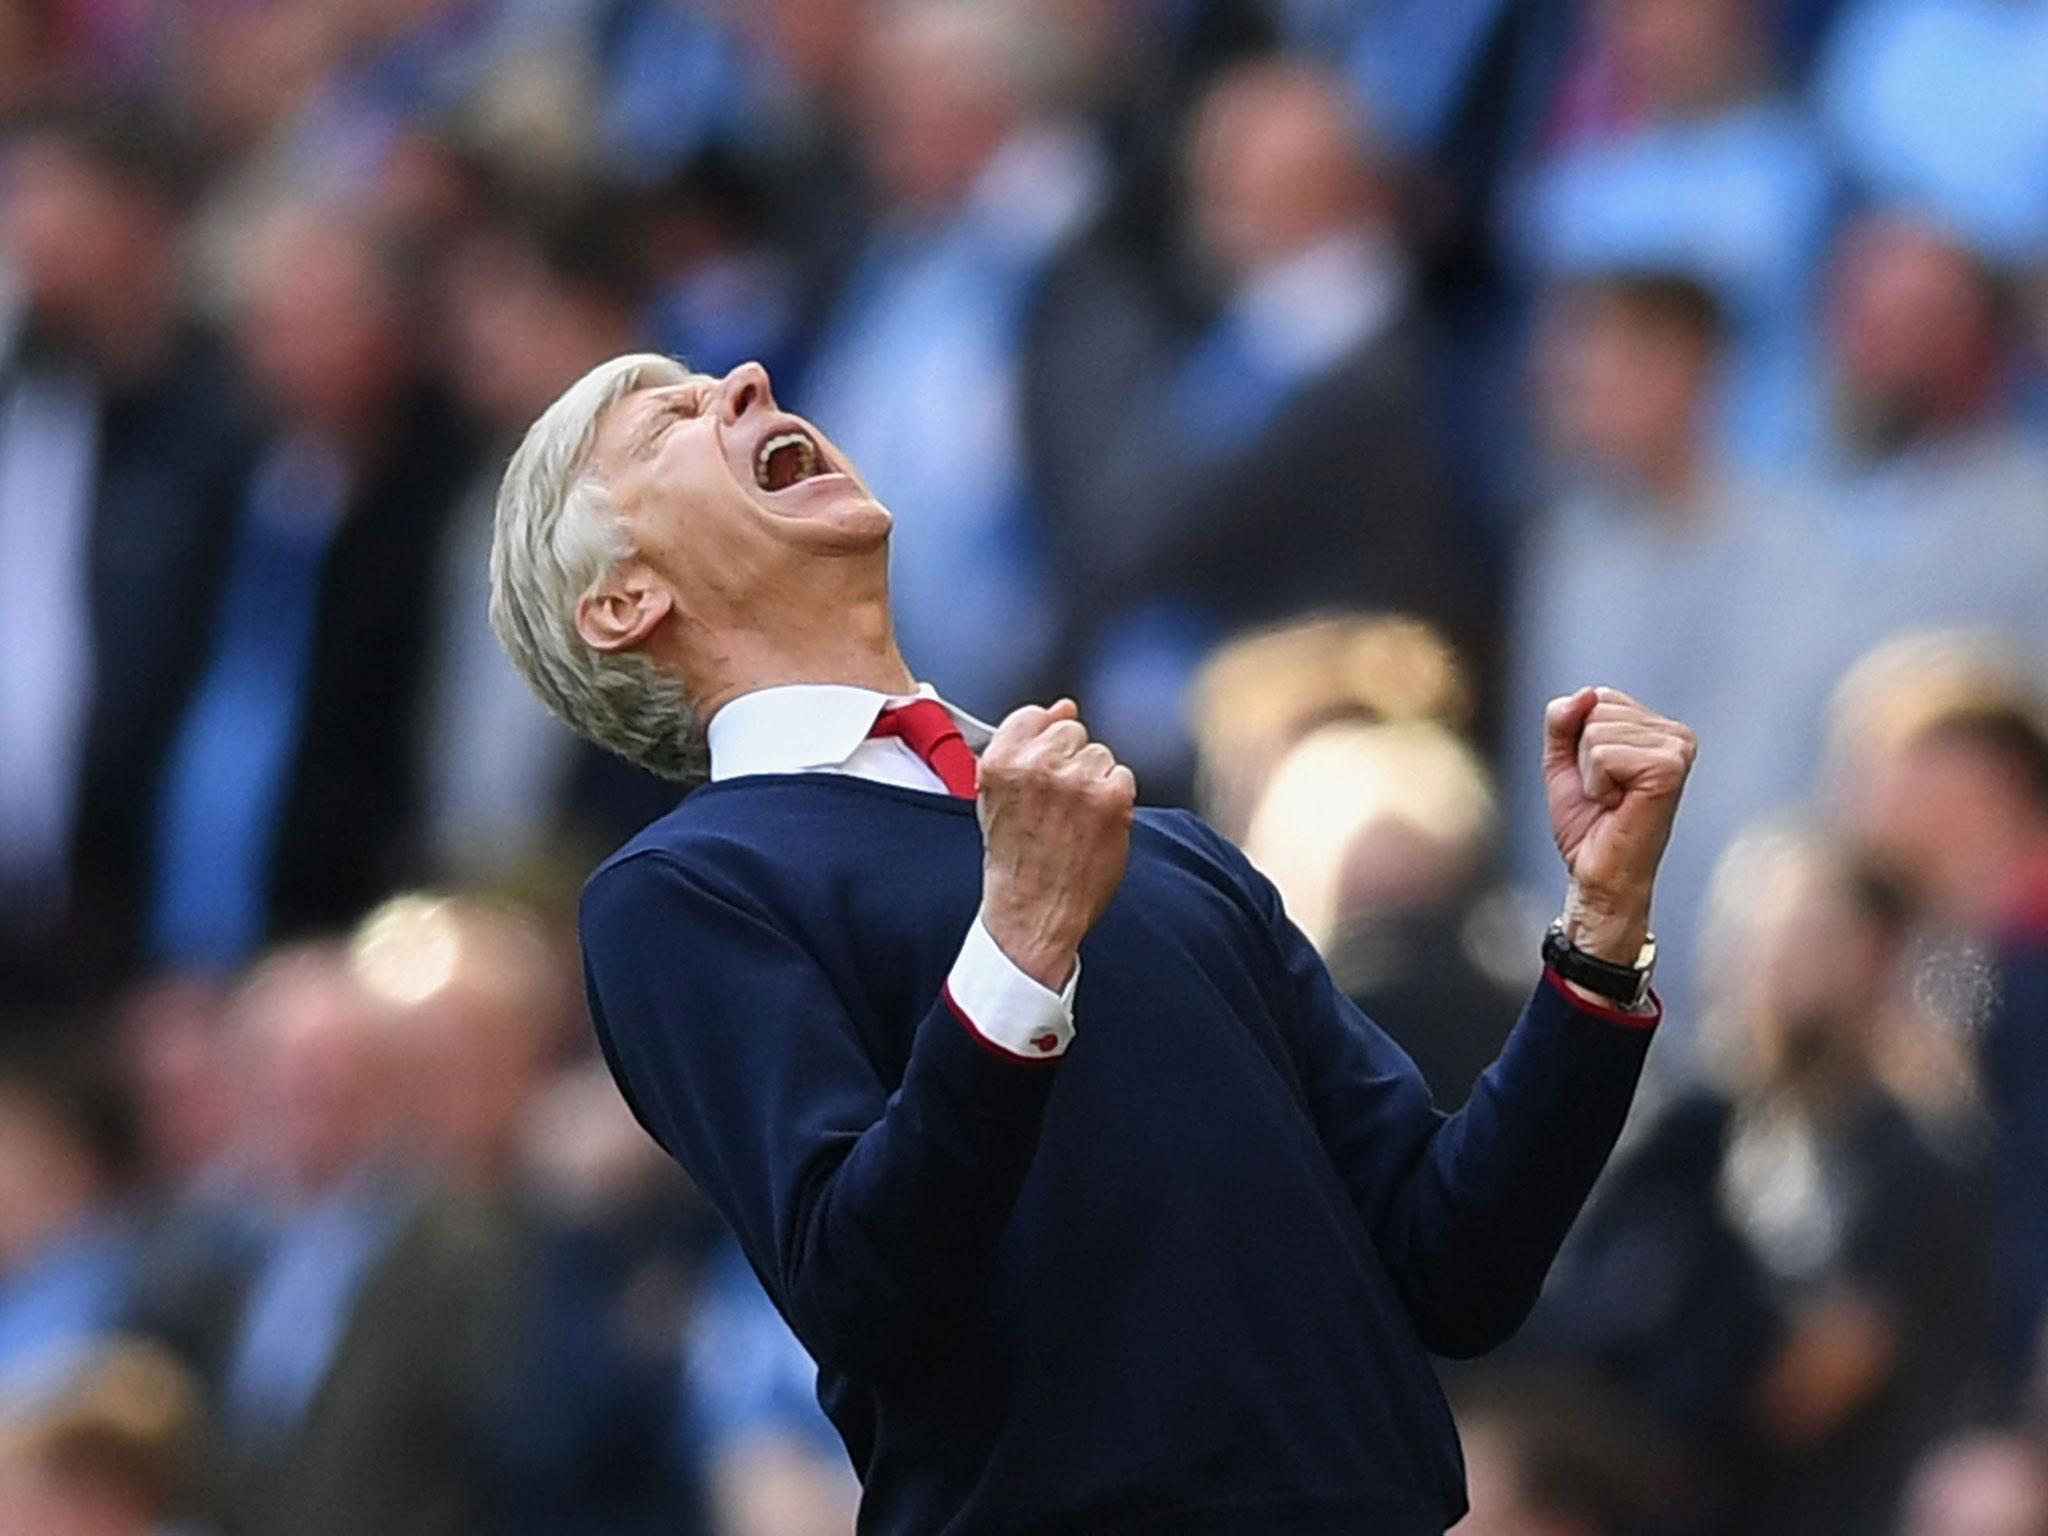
[{"x": 650, "y": 426}]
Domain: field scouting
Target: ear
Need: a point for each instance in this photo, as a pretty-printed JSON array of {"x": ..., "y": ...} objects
[{"x": 624, "y": 611}]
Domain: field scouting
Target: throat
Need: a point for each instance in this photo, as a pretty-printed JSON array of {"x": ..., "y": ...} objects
[{"x": 853, "y": 645}]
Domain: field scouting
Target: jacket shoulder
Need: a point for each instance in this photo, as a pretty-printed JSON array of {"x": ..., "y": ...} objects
[{"x": 714, "y": 839}]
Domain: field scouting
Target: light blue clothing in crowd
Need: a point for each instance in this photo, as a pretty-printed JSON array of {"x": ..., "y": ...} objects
[
  {"x": 677, "y": 82},
  {"x": 745, "y": 1375},
  {"x": 231, "y": 766},
  {"x": 1942, "y": 105},
  {"x": 1952, "y": 532},
  {"x": 1414, "y": 60},
  {"x": 917, "y": 378},
  {"x": 59, "y": 1299},
  {"x": 300, "y": 1304},
  {"x": 1742, "y": 201}
]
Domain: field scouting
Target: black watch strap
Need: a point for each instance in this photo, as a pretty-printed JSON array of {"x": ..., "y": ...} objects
[{"x": 1627, "y": 985}]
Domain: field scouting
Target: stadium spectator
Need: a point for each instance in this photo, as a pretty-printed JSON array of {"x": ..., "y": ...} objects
[
  {"x": 534, "y": 297},
  {"x": 1974, "y": 157},
  {"x": 1259, "y": 695},
  {"x": 118, "y": 451},
  {"x": 290, "y": 793},
  {"x": 980, "y": 177},
  {"x": 368, "y": 1339},
  {"x": 774, "y": 1463},
  {"x": 1552, "y": 1455},
  {"x": 1933, "y": 513},
  {"x": 480, "y": 1009},
  {"x": 1979, "y": 1485},
  {"x": 1956, "y": 802},
  {"x": 196, "y": 1224},
  {"x": 115, "y": 1448},
  {"x": 1681, "y": 552},
  {"x": 68, "y": 1256},
  {"x": 1380, "y": 839},
  {"x": 571, "y": 1419},
  {"x": 1679, "y": 155},
  {"x": 1293, "y": 433},
  {"x": 1811, "y": 1322},
  {"x": 723, "y": 290}
]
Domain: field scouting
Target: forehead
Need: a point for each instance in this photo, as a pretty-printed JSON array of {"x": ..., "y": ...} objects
[{"x": 626, "y": 419}]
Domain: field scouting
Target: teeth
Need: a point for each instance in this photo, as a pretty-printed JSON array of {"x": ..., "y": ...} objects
[{"x": 807, "y": 452}]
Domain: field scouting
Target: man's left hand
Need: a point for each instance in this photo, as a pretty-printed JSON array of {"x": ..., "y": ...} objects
[{"x": 1613, "y": 771}]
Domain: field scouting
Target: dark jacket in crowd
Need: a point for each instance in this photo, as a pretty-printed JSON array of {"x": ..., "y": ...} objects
[
  {"x": 172, "y": 450},
  {"x": 1669, "y": 1295},
  {"x": 1338, "y": 498},
  {"x": 351, "y": 809},
  {"x": 2015, "y": 1076},
  {"x": 393, "y": 1439}
]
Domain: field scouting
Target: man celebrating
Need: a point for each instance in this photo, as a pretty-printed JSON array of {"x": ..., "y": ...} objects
[{"x": 1099, "y": 1207}]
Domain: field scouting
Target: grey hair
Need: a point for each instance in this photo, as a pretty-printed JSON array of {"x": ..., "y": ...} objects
[{"x": 558, "y": 536}]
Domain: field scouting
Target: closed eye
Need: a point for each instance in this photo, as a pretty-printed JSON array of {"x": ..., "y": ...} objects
[{"x": 675, "y": 408}]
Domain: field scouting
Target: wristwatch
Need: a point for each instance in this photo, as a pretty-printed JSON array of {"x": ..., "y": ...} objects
[{"x": 1625, "y": 985}]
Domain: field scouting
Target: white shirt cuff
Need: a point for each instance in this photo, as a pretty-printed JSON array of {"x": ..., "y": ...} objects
[{"x": 1005, "y": 1009}]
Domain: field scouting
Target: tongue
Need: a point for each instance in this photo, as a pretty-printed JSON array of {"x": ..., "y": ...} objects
[{"x": 785, "y": 468}]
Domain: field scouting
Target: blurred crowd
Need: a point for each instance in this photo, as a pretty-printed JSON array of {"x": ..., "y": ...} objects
[{"x": 1310, "y": 387}]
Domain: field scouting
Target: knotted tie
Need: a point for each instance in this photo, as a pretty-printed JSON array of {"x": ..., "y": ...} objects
[{"x": 927, "y": 728}]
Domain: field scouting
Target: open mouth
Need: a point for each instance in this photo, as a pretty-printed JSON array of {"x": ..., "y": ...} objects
[{"x": 787, "y": 459}]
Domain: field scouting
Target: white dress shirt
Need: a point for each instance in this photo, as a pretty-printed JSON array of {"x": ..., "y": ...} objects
[
  {"x": 49, "y": 452},
  {"x": 823, "y": 728}
]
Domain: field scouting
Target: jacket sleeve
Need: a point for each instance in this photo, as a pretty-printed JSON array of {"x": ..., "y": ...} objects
[
  {"x": 1466, "y": 1210},
  {"x": 872, "y": 1215}
]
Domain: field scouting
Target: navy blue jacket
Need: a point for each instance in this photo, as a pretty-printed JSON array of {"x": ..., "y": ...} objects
[{"x": 1188, "y": 1278}]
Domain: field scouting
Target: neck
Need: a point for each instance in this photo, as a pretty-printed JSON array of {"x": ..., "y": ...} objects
[
  {"x": 1671, "y": 475},
  {"x": 853, "y": 644}
]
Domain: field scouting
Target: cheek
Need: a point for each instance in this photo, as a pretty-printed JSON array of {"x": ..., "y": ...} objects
[{"x": 689, "y": 517}]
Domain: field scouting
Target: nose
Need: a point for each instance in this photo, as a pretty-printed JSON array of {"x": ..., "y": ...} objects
[{"x": 745, "y": 389}]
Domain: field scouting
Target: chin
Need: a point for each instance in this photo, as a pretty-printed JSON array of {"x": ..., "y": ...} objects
[{"x": 845, "y": 524}]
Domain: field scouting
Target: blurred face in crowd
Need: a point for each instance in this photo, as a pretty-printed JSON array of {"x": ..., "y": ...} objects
[
  {"x": 1622, "y": 388},
  {"x": 318, "y": 1079},
  {"x": 1681, "y": 57},
  {"x": 742, "y": 519},
  {"x": 478, "y": 1002},
  {"x": 46, "y": 1175},
  {"x": 173, "y": 1038},
  {"x": 1914, "y": 330},
  {"x": 320, "y": 327},
  {"x": 87, "y": 244},
  {"x": 40, "y": 1499},
  {"x": 1501, "y": 1504},
  {"x": 1952, "y": 820},
  {"x": 817, "y": 41},
  {"x": 1824, "y": 968},
  {"x": 1989, "y": 1486},
  {"x": 1276, "y": 166},
  {"x": 936, "y": 101},
  {"x": 521, "y": 334}
]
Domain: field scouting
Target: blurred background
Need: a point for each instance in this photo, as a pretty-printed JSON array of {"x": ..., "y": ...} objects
[{"x": 1311, "y": 387}]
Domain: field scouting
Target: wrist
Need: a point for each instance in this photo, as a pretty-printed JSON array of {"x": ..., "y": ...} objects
[
  {"x": 1035, "y": 942},
  {"x": 1605, "y": 925}
]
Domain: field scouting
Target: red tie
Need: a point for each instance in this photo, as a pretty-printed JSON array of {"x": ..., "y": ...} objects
[{"x": 927, "y": 728}]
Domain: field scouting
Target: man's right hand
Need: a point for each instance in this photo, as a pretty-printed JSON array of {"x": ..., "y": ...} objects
[{"x": 1056, "y": 814}]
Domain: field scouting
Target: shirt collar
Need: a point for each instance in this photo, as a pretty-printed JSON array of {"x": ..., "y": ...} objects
[{"x": 798, "y": 727}]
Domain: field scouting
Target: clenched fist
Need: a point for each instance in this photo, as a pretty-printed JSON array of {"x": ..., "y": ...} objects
[
  {"x": 1612, "y": 770},
  {"x": 1055, "y": 813}
]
